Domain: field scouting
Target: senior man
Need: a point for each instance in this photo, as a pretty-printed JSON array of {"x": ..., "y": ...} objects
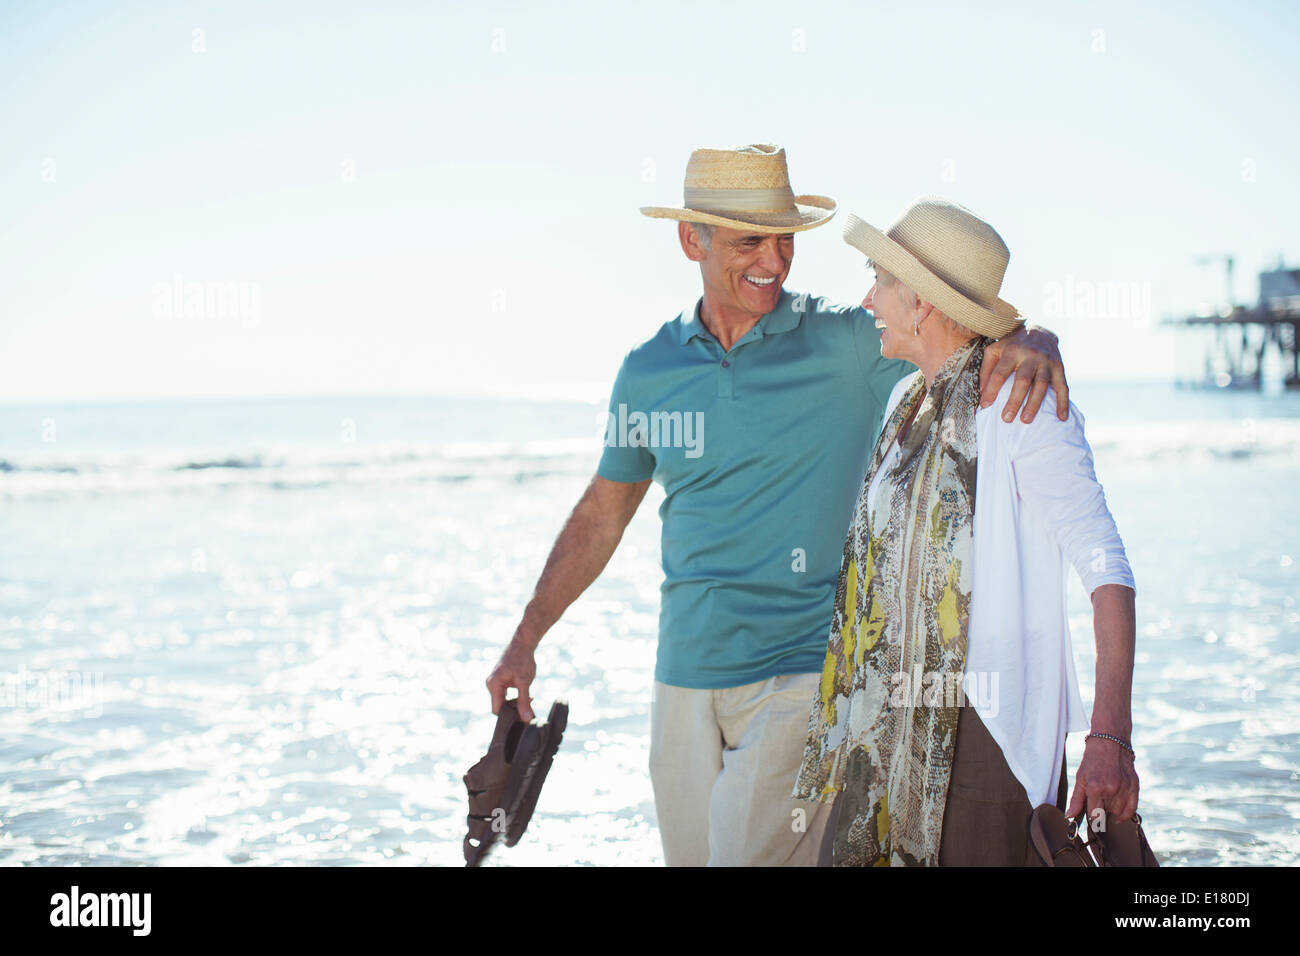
[{"x": 791, "y": 389}]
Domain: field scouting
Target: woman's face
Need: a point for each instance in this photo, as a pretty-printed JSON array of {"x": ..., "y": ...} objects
[{"x": 885, "y": 301}]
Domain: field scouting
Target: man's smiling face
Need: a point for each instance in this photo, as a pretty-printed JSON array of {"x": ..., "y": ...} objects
[{"x": 744, "y": 271}]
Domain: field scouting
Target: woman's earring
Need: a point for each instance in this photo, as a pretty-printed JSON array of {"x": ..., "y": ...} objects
[{"x": 916, "y": 326}]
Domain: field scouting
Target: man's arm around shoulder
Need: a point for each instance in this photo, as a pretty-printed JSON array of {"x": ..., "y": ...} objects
[{"x": 1032, "y": 353}]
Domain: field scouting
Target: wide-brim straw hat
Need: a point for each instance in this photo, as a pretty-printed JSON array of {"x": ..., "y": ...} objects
[
  {"x": 744, "y": 187},
  {"x": 946, "y": 255}
]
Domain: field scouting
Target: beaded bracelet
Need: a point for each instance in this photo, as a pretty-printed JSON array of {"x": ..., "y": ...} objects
[{"x": 1122, "y": 743}]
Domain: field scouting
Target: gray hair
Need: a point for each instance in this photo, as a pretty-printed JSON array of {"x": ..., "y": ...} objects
[
  {"x": 910, "y": 298},
  {"x": 703, "y": 232},
  {"x": 888, "y": 279}
]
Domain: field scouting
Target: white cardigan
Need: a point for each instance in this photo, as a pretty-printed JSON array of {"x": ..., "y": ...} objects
[{"x": 1037, "y": 505}]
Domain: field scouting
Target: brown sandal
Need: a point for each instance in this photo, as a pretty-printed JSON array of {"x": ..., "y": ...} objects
[{"x": 503, "y": 787}]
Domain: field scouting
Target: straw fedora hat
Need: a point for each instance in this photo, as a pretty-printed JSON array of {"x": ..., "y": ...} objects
[
  {"x": 947, "y": 255},
  {"x": 745, "y": 187}
]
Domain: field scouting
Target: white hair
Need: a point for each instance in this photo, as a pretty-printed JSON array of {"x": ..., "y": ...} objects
[
  {"x": 887, "y": 279},
  {"x": 703, "y": 232},
  {"x": 910, "y": 299}
]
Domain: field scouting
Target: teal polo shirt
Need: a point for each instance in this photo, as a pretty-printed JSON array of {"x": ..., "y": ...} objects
[{"x": 761, "y": 451}]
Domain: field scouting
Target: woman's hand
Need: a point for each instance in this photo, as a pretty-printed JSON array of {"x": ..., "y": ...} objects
[{"x": 1106, "y": 780}]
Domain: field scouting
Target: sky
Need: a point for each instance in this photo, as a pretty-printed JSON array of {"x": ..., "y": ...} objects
[{"x": 255, "y": 199}]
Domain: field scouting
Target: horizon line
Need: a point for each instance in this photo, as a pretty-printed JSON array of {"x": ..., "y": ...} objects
[{"x": 578, "y": 392}]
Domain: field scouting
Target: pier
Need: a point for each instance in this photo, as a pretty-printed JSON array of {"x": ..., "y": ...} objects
[{"x": 1234, "y": 342}]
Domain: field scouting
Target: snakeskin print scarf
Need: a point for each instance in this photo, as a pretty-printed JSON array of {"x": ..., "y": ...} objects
[{"x": 883, "y": 726}]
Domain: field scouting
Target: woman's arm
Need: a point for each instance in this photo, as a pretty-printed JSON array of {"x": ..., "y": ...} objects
[
  {"x": 1052, "y": 463},
  {"x": 1114, "y": 624},
  {"x": 1054, "y": 474},
  {"x": 1106, "y": 778}
]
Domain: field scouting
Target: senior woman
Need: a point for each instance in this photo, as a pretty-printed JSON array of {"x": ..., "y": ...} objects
[{"x": 949, "y": 683}]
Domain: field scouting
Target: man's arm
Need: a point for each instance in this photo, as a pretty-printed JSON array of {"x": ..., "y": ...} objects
[
  {"x": 1032, "y": 354},
  {"x": 1106, "y": 776},
  {"x": 580, "y": 553}
]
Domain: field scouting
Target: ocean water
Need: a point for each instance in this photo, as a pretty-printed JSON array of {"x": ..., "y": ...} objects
[{"x": 257, "y": 631}]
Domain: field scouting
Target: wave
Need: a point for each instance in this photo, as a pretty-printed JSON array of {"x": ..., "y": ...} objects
[
  {"x": 291, "y": 469},
  {"x": 1198, "y": 441},
  {"x": 216, "y": 470}
]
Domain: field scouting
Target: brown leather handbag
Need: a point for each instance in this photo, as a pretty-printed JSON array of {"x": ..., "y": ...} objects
[{"x": 1058, "y": 841}]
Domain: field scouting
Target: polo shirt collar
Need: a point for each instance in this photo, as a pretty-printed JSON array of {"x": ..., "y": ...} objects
[{"x": 781, "y": 319}]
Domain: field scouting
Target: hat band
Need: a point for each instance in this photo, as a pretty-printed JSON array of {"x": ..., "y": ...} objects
[{"x": 738, "y": 200}]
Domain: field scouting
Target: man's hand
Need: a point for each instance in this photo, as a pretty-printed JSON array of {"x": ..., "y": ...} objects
[
  {"x": 516, "y": 668},
  {"x": 1032, "y": 354},
  {"x": 1106, "y": 780}
]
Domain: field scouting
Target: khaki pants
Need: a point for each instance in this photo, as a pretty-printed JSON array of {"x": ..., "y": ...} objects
[
  {"x": 723, "y": 764},
  {"x": 986, "y": 818}
]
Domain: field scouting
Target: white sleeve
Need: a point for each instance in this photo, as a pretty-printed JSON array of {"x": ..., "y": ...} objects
[{"x": 1052, "y": 464}]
